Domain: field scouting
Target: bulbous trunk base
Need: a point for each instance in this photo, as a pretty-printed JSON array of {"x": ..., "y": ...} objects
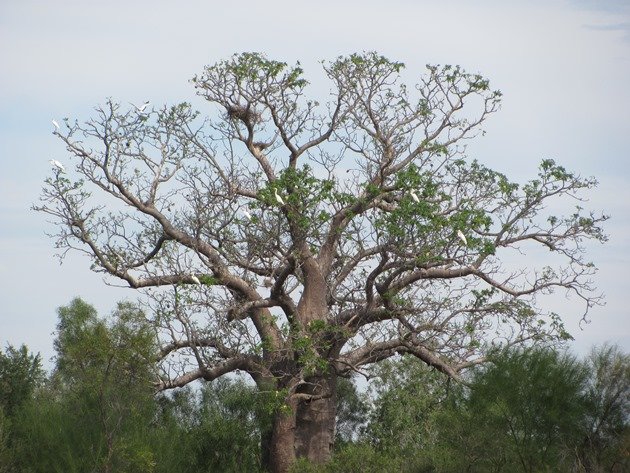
[
  {"x": 315, "y": 423},
  {"x": 305, "y": 430}
]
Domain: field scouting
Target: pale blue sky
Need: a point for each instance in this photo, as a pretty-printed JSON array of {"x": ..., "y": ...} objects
[{"x": 563, "y": 66}]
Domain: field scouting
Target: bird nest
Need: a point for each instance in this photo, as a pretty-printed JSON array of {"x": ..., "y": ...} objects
[{"x": 246, "y": 114}]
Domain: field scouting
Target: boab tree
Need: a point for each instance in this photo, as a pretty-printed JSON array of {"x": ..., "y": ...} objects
[{"x": 299, "y": 242}]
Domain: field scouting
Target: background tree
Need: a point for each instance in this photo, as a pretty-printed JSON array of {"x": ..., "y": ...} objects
[
  {"x": 533, "y": 409},
  {"x": 21, "y": 374},
  {"x": 98, "y": 411},
  {"x": 407, "y": 397},
  {"x": 606, "y": 444},
  {"x": 219, "y": 428},
  {"x": 258, "y": 253},
  {"x": 524, "y": 412},
  {"x": 93, "y": 415},
  {"x": 352, "y": 411}
]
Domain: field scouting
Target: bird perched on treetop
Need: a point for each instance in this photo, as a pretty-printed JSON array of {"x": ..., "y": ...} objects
[
  {"x": 278, "y": 198},
  {"x": 57, "y": 164},
  {"x": 141, "y": 107},
  {"x": 462, "y": 237}
]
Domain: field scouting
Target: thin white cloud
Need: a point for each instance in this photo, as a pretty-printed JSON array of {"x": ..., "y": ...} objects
[
  {"x": 608, "y": 6},
  {"x": 622, "y": 27}
]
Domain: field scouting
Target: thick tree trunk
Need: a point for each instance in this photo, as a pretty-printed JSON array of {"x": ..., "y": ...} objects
[
  {"x": 281, "y": 446},
  {"x": 306, "y": 430},
  {"x": 315, "y": 422}
]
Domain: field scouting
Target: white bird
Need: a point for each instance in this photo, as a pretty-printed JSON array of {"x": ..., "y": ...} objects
[
  {"x": 278, "y": 198},
  {"x": 462, "y": 237},
  {"x": 141, "y": 107},
  {"x": 56, "y": 164},
  {"x": 195, "y": 279},
  {"x": 414, "y": 195},
  {"x": 248, "y": 215},
  {"x": 54, "y": 122}
]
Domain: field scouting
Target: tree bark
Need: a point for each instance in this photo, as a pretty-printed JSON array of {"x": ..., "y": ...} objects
[
  {"x": 304, "y": 429},
  {"x": 307, "y": 428},
  {"x": 281, "y": 448},
  {"x": 315, "y": 421}
]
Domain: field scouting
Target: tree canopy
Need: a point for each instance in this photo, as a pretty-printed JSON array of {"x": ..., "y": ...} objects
[{"x": 299, "y": 239}]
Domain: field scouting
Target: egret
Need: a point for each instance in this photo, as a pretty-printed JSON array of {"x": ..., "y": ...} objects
[
  {"x": 56, "y": 164},
  {"x": 195, "y": 279},
  {"x": 54, "y": 122},
  {"x": 462, "y": 237},
  {"x": 414, "y": 195},
  {"x": 278, "y": 198},
  {"x": 141, "y": 107},
  {"x": 248, "y": 215}
]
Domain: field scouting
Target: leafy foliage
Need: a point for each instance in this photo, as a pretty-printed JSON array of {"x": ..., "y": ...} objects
[
  {"x": 218, "y": 428},
  {"x": 607, "y": 438},
  {"x": 20, "y": 374},
  {"x": 352, "y": 412},
  {"x": 92, "y": 411},
  {"x": 534, "y": 409},
  {"x": 521, "y": 414}
]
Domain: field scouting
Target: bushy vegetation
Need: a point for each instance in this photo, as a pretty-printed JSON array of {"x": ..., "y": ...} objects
[
  {"x": 531, "y": 410},
  {"x": 98, "y": 410},
  {"x": 528, "y": 410}
]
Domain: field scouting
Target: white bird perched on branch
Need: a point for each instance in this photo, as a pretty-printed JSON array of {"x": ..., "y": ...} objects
[
  {"x": 414, "y": 195},
  {"x": 54, "y": 122},
  {"x": 248, "y": 215},
  {"x": 56, "y": 164},
  {"x": 462, "y": 237},
  {"x": 195, "y": 279},
  {"x": 278, "y": 198},
  {"x": 141, "y": 107}
]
